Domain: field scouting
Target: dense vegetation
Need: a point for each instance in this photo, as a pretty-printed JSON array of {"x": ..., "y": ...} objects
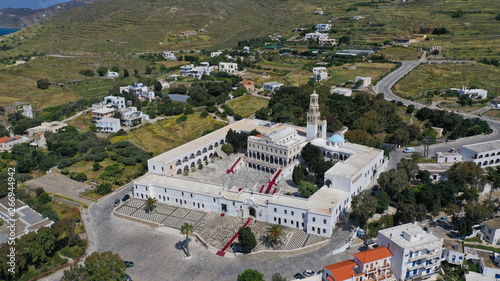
[
  {"x": 98, "y": 266},
  {"x": 38, "y": 252}
]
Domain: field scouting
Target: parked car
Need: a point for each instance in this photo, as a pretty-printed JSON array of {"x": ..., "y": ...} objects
[
  {"x": 129, "y": 263},
  {"x": 409, "y": 150},
  {"x": 298, "y": 276},
  {"x": 126, "y": 197},
  {"x": 309, "y": 273},
  {"x": 369, "y": 242},
  {"x": 452, "y": 150},
  {"x": 443, "y": 219},
  {"x": 128, "y": 278},
  {"x": 117, "y": 202}
]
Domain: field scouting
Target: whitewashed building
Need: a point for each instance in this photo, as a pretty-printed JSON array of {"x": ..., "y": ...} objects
[
  {"x": 484, "y": 154},
  {"x": 27, "y": 111},
  {"x": 341, "y": 91},
  {"x": 108, "y": 125},
  {"x": 130, "y": 116},
  {"x": 114, "y": 102},
  {"x": 275, "y": 151},
  {"x": 228, "y": 67},
  {"x": 272, "y": 86},
  {"x": 491, "y": 231},
  {"x": 416, "y": 253},
  {"x": 316, "y": 36},
  {"x": 473, "y": 93},
  {"x": 365, "y": 81},
  {"x": 320, "y": 74},
  {"x": 448, "y": 157},
  {"x": 215, "y": 54},
  {"x": 453, "y": 251},
  {"x": 323, "y": 27},
  {"x": 168, "y": 55}
]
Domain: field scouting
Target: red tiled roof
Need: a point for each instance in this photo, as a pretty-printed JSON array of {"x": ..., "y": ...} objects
[
  {"x": 343, "y": 270},
  {"x": 329, "y": 278},
  {"x": 4, "y": 139},
  {"x": 248, "y": 82},
  {"x": 373, "y": 254}
]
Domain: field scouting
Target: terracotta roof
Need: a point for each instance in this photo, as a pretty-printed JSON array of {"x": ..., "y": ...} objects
[
  {"x": 248, "y": 82},
  {"x": 329, "y": 278},
  {"x": 343, "y": 270},
  {"x": 17, "y": 137},
  {"x": 259, "y": 136},
  {"x": 373, "y": 254},
  {"x": 4, "y": 139}
]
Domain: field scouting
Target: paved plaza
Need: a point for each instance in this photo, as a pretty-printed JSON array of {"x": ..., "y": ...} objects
[{"x": 216, "y": 230}]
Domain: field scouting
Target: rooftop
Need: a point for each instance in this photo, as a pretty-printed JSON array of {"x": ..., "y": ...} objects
[
  {"x": 273, "y": 84},
  {"x": 452, "y": 244},
  {"x": 373, "y": 254},
  {"x": 435, "y": 167},
  {"x": 245, "y": 125},
  {"x": 109, "y": 119},
  {"x": 484, "y": 146},
  {"x": 104, "y": 110},
  {"x": 5, "y": 139},
  {"x": 493, "y": 223},
  {"x": 344, "y": 270},
  {"x": 488, "y": 258},
  {"x": 336, "y": 138},
  {"x": 412, "y": 236}
]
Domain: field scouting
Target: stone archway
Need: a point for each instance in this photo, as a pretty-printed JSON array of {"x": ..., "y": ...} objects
[{"x": 179, "y": 171}]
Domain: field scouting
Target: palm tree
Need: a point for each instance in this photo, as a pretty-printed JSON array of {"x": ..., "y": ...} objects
[
  {"x": 150, "y": 203},
  {"x": 187, "y": 229},
  {"x": 275, "y": 234}
]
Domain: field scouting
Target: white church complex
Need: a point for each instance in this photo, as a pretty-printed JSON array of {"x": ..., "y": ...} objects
[{"x": 275, "y": 151}]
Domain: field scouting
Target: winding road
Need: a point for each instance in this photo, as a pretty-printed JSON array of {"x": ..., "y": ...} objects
[{"x": 385, "y": 86}]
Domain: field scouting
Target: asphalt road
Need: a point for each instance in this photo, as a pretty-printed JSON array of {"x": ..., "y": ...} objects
[{"x": 385, "y": 86}]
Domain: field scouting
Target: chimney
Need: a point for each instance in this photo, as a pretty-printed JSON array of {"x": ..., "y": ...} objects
[{"x": 456, "y": 246}]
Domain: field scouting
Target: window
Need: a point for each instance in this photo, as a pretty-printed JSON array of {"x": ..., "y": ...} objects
[
  {"x": 275, "y": 210},
  {"x": 303, "y": 215},
  {"x": 191, "y": 195},
  {"x": 313, "y": 228},
  {"x": 153, "y": 167},
  {"x": 176, "y": 201},
  {"x": 285, "y": 212},
  {"x": 324, "y": 221},
  {"x": 183, "y": 193},
  {"x": 162, "y": 169},
  {"x": 314, "y": 219},
  {"x": 274, "y": 218},
  {"x": 324, "y": 230},
  {"x": 146, "y": 188},
  {"x": 194, "y": 204},
  {"x": 234, "y": 204},
  {"x": 302, "y": 224},
  {"x": 285, "y": 220},
  {"x": 168, "y": 198},
  {"x": 293, "y": 213},
  {"x": 185, "y": 202},
  {"x": 214, "y": 199},
  {"x": 203, "y": 205},
  {"x": 489, "y": 231}
]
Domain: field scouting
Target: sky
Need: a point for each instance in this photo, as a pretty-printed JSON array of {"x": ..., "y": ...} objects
[{"x": 33, "y": 4}]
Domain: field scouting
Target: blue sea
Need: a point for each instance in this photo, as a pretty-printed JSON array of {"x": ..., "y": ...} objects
[{"x": 4, "y": 31}]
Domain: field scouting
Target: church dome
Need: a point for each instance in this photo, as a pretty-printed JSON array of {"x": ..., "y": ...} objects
[{"x": 336, "y": 138}]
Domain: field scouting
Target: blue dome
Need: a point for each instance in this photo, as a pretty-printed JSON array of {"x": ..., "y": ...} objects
[{"x": 336, "y": 138}]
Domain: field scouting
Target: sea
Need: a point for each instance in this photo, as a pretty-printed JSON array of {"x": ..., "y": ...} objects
[{"x": 4, "y": 31}]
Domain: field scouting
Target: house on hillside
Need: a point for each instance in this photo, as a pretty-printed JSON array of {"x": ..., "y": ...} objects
[
  {"x": 108, "y": 125},
  {"x": 189, "y": 33},
  {"x": 364, "y": 81},
  {"x": 130, "y": 116},
  {"x": 104, "y": 112},
  {"x": 215, "y": 54},
  {"x": 315, "y": 36},
  {"x": 228, "y": 67},
  {"x": 473, "y": 93},
  {"x": 320, "y": 74},
  {"x": 169, "y": 56},
  {"x": 272, "y": 86},
  {"x": 318, "y": 12},
  {"x": 323, "y": 27},
  {"x": 249, "y": 85},
  {"x": 491, "y": 231},
  {"x": 6, "y": 143},
  {"x": 112, "y": 74},
  {"x": 454, "y": 251},
  {"x": 327, "y": 42},
  {"x": 341, "y": 91}
]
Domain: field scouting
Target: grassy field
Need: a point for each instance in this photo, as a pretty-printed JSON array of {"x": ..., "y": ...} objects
[
  {"x": 340, "y": 74},
  {"x": 493, "y": 113},
  {"x": 247, "y": 105},
  {"x": 82, "y": 122},
  {"x": 167, "y": 134},
  {"x": 86, "y": 167},
  {"x": 428, "y": 77},
  {"x": 401, "y": 53}
]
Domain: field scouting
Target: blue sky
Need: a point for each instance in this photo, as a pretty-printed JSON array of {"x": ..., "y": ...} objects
[{"x": 33, "y": 4}]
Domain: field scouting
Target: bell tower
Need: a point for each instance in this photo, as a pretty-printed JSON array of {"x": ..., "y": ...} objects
[{"x": 316, "y": 128}]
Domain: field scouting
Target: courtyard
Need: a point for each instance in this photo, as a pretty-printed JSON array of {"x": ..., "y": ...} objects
[{"x": 243, "y": 178}]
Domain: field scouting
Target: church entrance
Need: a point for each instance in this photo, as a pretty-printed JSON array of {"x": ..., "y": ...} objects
[{"x": 252, "y": 212}]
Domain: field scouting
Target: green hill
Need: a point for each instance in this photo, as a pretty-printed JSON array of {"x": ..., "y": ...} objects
[{"x": 130, "y": 26}]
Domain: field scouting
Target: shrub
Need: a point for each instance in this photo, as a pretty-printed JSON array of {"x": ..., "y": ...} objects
[
  {"x": 86, "y": 72},
  {"x": 42, "y": 84},
  {"x": 247, "y": 238},
  {"x": 181, "y": 119},
  {"x": 237, "y": 117},
  {"x": 65, "y": 171},
  {"x": 103, "y": 189},
  {"x": 204, "y": 114},
  {"x": 96, "y": 166},
  {"x": 227, "y": 148}
]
